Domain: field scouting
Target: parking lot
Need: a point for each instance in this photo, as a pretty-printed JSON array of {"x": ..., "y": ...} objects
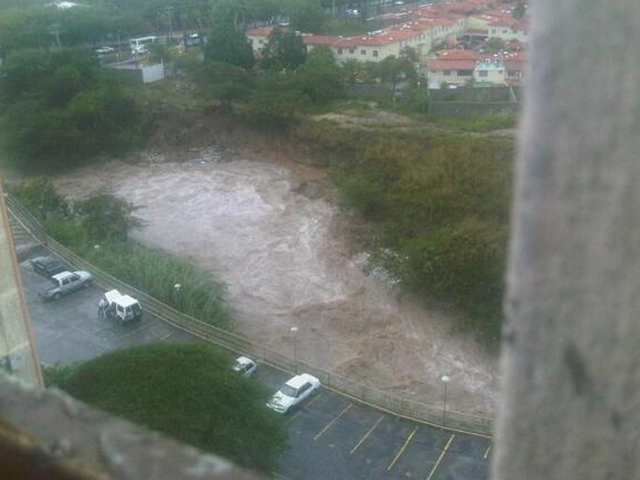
[{"x": 332, "y": 437}]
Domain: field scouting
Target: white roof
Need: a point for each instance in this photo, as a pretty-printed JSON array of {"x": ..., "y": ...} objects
[
  {"x": 127, "y": 301},
  {"x": 244, "y": 360},
  {"x": 299, "y": 380},
  {"x": 112, "y": 295}
]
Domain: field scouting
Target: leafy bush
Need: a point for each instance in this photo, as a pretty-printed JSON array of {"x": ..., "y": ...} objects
[
  {"x": 58, "y": 108},
  {"x": 189, "y": 392}
]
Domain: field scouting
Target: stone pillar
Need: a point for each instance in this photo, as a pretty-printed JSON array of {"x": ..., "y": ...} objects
[{"x": 570, "y": 405}]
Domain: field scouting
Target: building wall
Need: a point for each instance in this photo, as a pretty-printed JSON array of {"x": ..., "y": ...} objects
[
  {"x": 507, "y": 33},
  {"x": 454, "y": 77},
  {"x": 495, "y": 72},
  {"x": 17, "y": 354}
]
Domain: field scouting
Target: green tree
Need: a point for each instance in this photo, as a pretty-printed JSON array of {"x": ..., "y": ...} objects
[
  {"x": 189, "y": 392},
  {"x": 228, "y": 45},
  {"x": 306, "y": 16},
  {"x": 494, "y": 45},
  {"x": 107, "y": 217},
  {"x": 393, "y": 69},
  {"x": 276, "y": 101},
  {"x": 353, "y": 71},
  {"x": 225, "y": 82},
  {"x": 60, "y": 107},
  {"x": 319, "y": 77},
  {"x": 42, "y": 199},
  {"x": 284, "y": 50}
]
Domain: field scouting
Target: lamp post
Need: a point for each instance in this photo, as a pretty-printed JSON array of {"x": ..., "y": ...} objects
[
  {"x": 294, "y": 331},
  {"x": 445, "y": 380},
  {"x": 177, "y": 288}
]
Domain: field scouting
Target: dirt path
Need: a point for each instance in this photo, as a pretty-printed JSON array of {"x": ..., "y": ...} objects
[{"x": 252, "y": 221}]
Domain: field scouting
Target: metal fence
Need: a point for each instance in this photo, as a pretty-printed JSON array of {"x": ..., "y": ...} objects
[{"x": 358, "y": 391}]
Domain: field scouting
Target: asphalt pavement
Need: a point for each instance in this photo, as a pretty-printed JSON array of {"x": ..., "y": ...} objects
[{"x": 332, "y": 437}]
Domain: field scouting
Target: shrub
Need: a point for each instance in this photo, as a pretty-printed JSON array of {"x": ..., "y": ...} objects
[{"x": 189, "y": 392}]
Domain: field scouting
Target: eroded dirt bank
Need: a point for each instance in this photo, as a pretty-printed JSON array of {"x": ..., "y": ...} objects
[{"x": 286, "y": 264}]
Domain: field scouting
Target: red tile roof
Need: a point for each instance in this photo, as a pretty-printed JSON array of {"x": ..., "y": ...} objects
[
  {"x": 260, "y": 31},
  {"x": 330, "y": 40}
]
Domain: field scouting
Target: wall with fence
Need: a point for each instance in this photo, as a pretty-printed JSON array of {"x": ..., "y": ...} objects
[
  {"x": 358, "y": 391},
  {"x": 447, "y": 109}
]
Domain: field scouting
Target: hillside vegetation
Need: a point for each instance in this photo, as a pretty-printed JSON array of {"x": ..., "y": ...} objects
[{"x": 437, "y": 205}]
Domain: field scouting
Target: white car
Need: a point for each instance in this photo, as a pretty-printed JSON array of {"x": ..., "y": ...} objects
[
  {"x": 105, "y": 50},
  {"x": 245, "y": 366},
  {"x": 294, "y": 392}
]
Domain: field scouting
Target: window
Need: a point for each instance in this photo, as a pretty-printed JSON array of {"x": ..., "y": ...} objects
[
  {"x": 251, "y": 41},
  {"x": 465, "y": 73},
  {"x": 483, "y": 73},
  {"x": 261, "y": 41},
  {"x": 352, "y": 50},
  {"x": 363, "y": 52},
  {"x": 499, "y": 72},
  {"x": 446, "y": 73},
  {"x": 505, "y": 31},
  {"x": 339, "y": 51},
  {"x": 375, "y": 53}
]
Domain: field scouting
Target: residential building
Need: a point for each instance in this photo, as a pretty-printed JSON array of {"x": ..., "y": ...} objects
[
  {"x": 454, "y": 67},
  {"x": 490, "y": 71}
]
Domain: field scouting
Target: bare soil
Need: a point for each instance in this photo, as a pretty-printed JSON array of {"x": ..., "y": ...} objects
[{"x": 268, "y": 228}]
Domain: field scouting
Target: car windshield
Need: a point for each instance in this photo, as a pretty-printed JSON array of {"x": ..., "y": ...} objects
[{"x": 288, "y": 390}]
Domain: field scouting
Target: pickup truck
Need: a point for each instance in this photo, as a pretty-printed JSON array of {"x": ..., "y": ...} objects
[{"x": 65, "y": 282}]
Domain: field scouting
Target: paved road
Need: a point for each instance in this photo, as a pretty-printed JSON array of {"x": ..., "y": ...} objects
[{"x": 332, "y": 438}]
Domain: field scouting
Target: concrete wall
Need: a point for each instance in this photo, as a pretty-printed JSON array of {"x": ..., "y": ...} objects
[{"x": 17, "y": 355}]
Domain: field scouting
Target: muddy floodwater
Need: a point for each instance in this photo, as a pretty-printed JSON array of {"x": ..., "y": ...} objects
[{"x": 287, "y": 265}]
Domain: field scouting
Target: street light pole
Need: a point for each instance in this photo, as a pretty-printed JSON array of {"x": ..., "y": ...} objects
[
  {"x": 177, "y": 288},
  {"x": 445, "y": 381},
  {"x": 294, "y": 331}
]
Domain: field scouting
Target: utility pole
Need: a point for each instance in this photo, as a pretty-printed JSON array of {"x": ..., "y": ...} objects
[
  {"x": 55, "y": 31},
  {"x": 170, "y": 14}
]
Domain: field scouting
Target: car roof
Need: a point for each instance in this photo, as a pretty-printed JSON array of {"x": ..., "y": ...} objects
[
  {"x": 61, "y": 275},
  {"x": 244, "y": 360},
  {"x": 299, "y": 380},
  {"x": 126, "y": 301},
  {"x": 112, "y": 295},
  {"x": 44, "y": 259}
]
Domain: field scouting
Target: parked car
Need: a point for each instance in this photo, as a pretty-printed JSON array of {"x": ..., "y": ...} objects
[
  {"x": 246, "y": 366},
  {"x": 294, "y": 392},
  {"x": 105, "y": 50},
  {"x": 48, "y": 266},
  {"x": 64, "y": 283},
  {"x": 117, "y": 306}
]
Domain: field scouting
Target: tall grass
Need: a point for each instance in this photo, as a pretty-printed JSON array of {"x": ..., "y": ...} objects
[{"x": 157, "y": 273}]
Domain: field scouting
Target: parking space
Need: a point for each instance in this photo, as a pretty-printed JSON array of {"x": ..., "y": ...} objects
[
  {"x": 69, "y": 329},
  {"x": 331, "y": 436}
]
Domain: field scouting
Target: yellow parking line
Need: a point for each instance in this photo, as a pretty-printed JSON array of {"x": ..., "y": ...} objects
[
  {"x": 402, "y": 449},
  {"x": 321, "y": 432},
  {"x": 366, "y": 435},
  {"x": 444, "y": 451},
  {"x": 486, "y": 454}
]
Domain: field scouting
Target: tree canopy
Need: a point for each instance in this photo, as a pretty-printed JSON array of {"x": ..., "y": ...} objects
[
  {"x": 61, "y": 107},
  {"x": 189, "y": 392}
]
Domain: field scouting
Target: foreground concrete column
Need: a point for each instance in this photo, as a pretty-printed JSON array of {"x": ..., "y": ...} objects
[
  {"x": 571, "y": 352},
  {"x": 17, "y": 354}
]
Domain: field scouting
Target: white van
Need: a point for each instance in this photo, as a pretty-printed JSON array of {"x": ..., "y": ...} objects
[{"x": 139, "y": 45}]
